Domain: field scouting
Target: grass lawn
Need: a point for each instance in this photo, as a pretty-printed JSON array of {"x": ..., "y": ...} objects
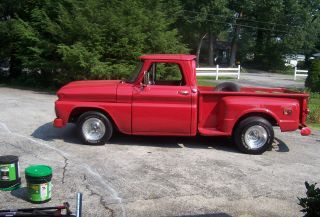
[
  {"x": 214, "y": 78},
  {"x": 314, "y": 126},
  {"x": 211, "y": 80},
  {"x": 314, "y": 115},
  {"x": 207, "y": 81}
]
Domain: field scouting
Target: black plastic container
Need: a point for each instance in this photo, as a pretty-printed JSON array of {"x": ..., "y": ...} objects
[{"x": 9, "y": 173}]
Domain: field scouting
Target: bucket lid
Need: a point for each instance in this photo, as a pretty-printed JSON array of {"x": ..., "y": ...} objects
[
  {"x": 38, "y": 171},
  {"x": 8, "y": 159}
]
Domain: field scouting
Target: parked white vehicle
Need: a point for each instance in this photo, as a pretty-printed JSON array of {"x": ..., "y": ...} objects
[{"x": 293, "y": 59}]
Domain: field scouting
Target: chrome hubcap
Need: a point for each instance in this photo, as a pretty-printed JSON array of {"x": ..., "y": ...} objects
[
  {"x": 93, "y": 129},
  {"x": 255, "y": 137}
]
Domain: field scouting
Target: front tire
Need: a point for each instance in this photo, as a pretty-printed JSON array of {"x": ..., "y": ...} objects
[
  {"x": 253, "y": 135},
  {"x": 94, "y": 128}
]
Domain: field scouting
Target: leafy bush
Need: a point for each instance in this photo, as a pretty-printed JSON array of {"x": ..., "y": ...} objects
[
  {"x": 311, "y": 203},
  {"x": 314, "y": 115},
  {"x": 313, "y": 79},
  {"x": 314, "y": 106},
  {"x": 89, "y": 39}
]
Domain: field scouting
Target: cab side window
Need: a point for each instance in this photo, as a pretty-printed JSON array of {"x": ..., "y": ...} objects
[{"x": 165, "y": 74}]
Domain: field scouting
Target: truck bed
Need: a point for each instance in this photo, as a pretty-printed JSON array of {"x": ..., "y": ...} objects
[
  {"x": 218, "y": 110},
  {"x": 261, "y": 91}
]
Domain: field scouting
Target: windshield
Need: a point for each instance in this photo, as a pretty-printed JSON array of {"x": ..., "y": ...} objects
[{"x": 135, "y": 73}]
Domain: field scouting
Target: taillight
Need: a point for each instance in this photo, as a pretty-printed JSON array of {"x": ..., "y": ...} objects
[
  {"x": 287, "y": 111},
  {"x": 304, "y": 111}
]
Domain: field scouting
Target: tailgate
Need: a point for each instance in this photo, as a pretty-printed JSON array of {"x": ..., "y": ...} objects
[{"x": 304, "y": 111}]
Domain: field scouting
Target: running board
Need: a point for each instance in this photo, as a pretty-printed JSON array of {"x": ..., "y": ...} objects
[{"x": 212, "y": 132}]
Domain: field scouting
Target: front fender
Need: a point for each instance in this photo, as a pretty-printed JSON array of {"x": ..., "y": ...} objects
[{"x": 120, "y": 113}]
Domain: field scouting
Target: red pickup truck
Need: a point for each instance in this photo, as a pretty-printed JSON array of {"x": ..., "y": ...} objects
[{"x": 162, "y": 98}]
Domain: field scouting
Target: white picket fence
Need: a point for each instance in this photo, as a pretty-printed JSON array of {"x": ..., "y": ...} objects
[
  {"x": 217, "y": 71},
  {"x": 300, "y": 73}
]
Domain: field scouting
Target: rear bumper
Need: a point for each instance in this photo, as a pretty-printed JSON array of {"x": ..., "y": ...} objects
[
  {"x": 58, "y": 122},
  {"x": 305, "y": 131}
]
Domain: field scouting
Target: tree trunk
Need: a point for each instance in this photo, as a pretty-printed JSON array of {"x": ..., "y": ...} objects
[
  {"x": 15, "y": 67},
  {"x": 259, "y": 47},
  {"x": 268, "y": 53},
  {"x": 199, "y": 48},
  {"x": 234, "y": 43},
  {"x": 212, "y": 40}
]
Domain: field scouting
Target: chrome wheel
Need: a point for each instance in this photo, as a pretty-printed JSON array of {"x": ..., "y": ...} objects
[
  {"x": 255, "y": 137},
  {"x": 93, "y": 129}
]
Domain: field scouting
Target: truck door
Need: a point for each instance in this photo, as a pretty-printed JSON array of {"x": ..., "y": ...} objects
[{"x": 162, "y": 104}]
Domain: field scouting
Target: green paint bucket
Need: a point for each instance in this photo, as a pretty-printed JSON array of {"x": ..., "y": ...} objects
[
  {"x": 9, "y": 173},
  {"x": 39, "y": 183}
]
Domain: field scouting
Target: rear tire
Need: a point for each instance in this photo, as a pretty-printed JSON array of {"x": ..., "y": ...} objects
[
  {"x": 94, "y": 128},
  {"x": 253, "y": 135}
]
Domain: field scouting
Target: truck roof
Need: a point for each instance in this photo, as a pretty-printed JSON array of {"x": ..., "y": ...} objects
[{"x": 168, "y": 57}]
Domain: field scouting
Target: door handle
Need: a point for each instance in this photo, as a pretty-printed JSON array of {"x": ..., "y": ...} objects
[{"x": 183, "y": 92}]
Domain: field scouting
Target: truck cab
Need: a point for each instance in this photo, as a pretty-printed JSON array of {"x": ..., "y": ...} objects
[{"x": 162, "y": 98}]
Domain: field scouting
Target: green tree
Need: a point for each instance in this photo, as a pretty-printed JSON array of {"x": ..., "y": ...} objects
[
  {"x": 274, "y": 28},
  {"x": 311, "y": 203},
  {"x": 313, "y": 79},
  {"x": 241, "y": 10},
  {"x": 204, "y": 18},
  {"x": 87, "y": 39}
]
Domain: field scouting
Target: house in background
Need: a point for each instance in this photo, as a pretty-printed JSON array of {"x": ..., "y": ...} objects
[
  {"x": 293, "y": 59},
  {"x": 315, "y": 56},
  {"x": 222, "y": 51}
]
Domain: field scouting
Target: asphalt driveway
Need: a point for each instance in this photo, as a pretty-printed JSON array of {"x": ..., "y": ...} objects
[{"x": 155, "y": 176}]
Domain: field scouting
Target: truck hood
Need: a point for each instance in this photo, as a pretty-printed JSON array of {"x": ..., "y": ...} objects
[{"x": 90, "y": 91}]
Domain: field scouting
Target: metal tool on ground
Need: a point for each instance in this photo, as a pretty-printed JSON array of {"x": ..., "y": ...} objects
[
  {"x": 54, "y": 211},
  {"x": 9, "y": 173},
  {"x": 79, "y": 205},
  {"x": 39, "y": 183}
]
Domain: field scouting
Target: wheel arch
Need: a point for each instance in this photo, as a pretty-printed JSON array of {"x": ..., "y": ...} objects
[
  {"x": 268, "y": 116},
  {"x": 78, "y": 111}
]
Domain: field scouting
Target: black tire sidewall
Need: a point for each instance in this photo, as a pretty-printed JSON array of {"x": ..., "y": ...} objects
[
  {"x": 244, "y": 126},
  {"x": 106, "y": 122},
  {"x": 227, "y": 87}
]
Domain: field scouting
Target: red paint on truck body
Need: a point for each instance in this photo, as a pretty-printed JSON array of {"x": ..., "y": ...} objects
[{"x": 164, "y": 110}]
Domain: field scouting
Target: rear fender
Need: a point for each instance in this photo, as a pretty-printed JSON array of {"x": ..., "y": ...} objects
[
  {"x": 234, "y": 108},
  {"x": 266, "y": 114}
]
